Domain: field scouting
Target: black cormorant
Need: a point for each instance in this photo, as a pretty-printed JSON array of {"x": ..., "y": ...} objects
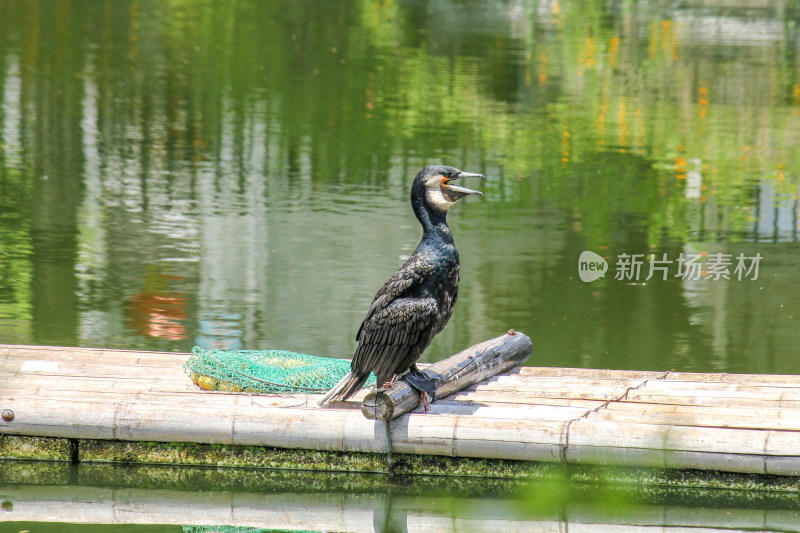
[{"x": 417, "y": 301}]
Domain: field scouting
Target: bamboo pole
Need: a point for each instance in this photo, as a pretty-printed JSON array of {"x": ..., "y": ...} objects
[{"x": 458, "y": 371}]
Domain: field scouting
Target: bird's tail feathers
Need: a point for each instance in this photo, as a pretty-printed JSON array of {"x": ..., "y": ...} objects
[{"x": 348, "y": 386}]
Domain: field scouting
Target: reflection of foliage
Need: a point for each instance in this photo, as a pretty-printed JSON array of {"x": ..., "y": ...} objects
[
  {"x": 597, "y": 110},
  {"x": 634, "y": 199},
  {"x": 15, "y": 249},
  {"x": 585, "y": 84},
  {"x": 554, "y": 496}
]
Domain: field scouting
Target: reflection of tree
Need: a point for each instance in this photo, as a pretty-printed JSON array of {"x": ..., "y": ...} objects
[
  {"x": 382, "y": 80},
  {"x": 588, "y": 117},
  {"x": 51, "y": 138},
  {"x": 622, "y": 202},
  {"x": 15, "y": 267}
]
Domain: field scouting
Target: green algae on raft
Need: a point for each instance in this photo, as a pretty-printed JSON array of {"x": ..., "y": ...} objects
[
  {"x": 231, "y": 458},
  {"x": 34, "y": 448}
]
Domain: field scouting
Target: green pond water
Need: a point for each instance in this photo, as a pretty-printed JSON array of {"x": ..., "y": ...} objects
[
  {"x": 236, "y": 174},
  {"x": 206, "y": 500}
]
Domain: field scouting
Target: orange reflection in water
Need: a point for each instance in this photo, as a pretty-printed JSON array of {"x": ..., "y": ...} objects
[
  {"x": 159, "y": 315},
  {"x": 157, "y": 312}
]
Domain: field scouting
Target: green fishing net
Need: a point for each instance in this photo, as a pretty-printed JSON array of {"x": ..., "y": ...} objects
[{"x": 265, "y": 371}]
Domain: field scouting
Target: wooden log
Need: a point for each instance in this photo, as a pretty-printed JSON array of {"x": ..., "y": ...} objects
[{"x": 461, "y": 370}]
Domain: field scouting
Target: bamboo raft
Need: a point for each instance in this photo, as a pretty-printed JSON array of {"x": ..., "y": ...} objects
[{"x": 675, "y": 420}]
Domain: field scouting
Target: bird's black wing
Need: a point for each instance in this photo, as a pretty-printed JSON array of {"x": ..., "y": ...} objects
[
  {"x": 410, "y": 274},
  {"x": 392, "y": 338}
]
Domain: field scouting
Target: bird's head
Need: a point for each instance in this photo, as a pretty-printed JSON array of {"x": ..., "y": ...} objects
[{"x": 436, "y": 186}]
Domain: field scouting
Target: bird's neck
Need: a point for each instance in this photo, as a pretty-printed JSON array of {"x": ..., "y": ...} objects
[{"x": 434, "y": 224}]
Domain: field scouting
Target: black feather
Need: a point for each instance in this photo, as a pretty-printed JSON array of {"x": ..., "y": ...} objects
[{"x": 414, "y": 304}]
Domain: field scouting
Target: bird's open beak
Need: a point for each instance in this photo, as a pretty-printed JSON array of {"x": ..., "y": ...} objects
[{"x": 454, "y": 192}]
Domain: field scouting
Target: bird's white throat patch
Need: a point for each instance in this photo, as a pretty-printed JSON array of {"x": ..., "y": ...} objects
[{"x": 435, "y": 195}]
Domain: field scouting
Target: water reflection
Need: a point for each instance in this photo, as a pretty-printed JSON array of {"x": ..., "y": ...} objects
[
  {"x": 191, "y": 500},
  {"x": 176, "y": 174}
]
